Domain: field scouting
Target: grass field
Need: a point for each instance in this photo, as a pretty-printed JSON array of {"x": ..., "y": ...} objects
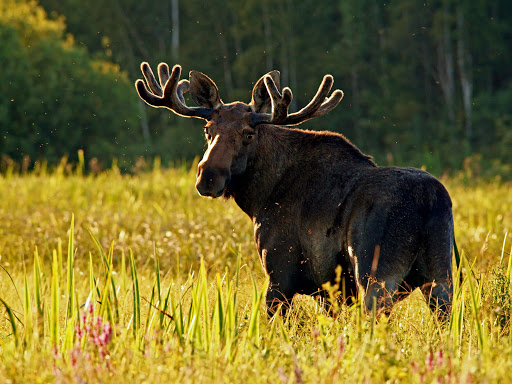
[{"x": 115, "y": 277}]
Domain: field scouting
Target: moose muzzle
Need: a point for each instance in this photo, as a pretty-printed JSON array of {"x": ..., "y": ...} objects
[
  {"x": 212, "y": 181},
  {"x": 213, "y": 171}
]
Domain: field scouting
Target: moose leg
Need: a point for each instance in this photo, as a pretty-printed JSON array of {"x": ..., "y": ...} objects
[
  {"x": 437, "y": 267},
  {"x": 439, "y": 298},
  {"x": 382, "y": 282},
  {"x": 382, "y": 293},
  {"x": 283, "y": 284},
  {"x": 279, "y": 294}
]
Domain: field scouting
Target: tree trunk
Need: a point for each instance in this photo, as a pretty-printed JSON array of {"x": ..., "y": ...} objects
[
  {"x": 144, "y": 121},
  {"x": 175, "y": 40},
  {"x": 354, "y": 77},
  {"x": 291, "y": 50},
  {"x": 445, "y": 67},
  {"x": 267, "y": 32},
  {"x": 228, "y": 78},
  {"x": 464, "y": 61}
]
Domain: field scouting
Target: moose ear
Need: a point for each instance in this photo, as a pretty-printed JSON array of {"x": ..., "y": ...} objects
[
  {"x": 203, "y": 90},
  {"x": 261, "y": 101}
]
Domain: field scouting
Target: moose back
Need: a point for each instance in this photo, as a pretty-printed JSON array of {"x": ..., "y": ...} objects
[{"x": 315, "y": 200}]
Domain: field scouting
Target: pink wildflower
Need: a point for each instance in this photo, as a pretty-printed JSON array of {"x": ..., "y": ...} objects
[
  {"x": 341, "y": 345},
  {"x": 75, "y": 355},
  {"x": 92, "y": 339},
  {"x": 430, "y": 362},
  {"x": 79, "y": 333},
  {"x": 439, "y": 355}
]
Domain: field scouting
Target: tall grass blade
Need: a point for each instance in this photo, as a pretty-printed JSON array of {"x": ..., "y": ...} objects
[
  {"x": 70, "y": 287},
  {"x": 194, "y": 325},
  {"x": 204, "y": 301},
  {"x": 12, "y": 321},
  {"x": 283, "y": 331},
  {"x": 360, "y": 313},
  {"x": 27, "y": 309},
  {"x": 460, "y": 321},
  {"x": 157, "y": 273},
  {"x": 13, "y": 284},
  {"x": 38, "y": 296},
  {"x": 105, "y": 309},
  {"x": 475, "y": 307},
  {"x": 192, "y": 328},
  {"x": 157, "y": 286},
  {"x": 54, "y": 308},
  {"x": 123, "y": 271},
  {"x": 177, "y": 316},
  {"x": 69, "y": 333},
  {"x": 457, "y": 261},
  {"x": 503, "y": 248},
  {"x": 100, "y": 248},
  {"x": 93, "y": 284},
  {"x": 81, "y": 163},
  {"x": 165, "y": 308},
  {"x": 136, "y": 296},
  {"x": 218, "y": 313},
  {"x": 59, "y": 257},
  {"x": 150, "y": 309},
  {"x": 253, "y": 332},
  {"x": 509, "y": 268},
  {"x": 458, "y": 284},
  {"x": 374, "y": 317},
  {"x": 112, "y": 285}
]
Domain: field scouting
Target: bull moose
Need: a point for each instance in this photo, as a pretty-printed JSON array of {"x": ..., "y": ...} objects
[{"x": 315, "y": 200}]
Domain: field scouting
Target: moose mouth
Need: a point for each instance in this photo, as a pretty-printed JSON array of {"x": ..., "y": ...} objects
[{"x": 213, "y": 195}]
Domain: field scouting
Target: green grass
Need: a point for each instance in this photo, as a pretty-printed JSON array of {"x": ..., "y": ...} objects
[{"x": 116, "y": 277}]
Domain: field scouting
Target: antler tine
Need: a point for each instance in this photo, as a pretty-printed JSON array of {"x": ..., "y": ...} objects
[
  {"x": 163, "y": 73},
  {"x": 150, "y": 79},
  {"x": 309, "y": 111},
  {"x": 330, "y": 103},
  {"x": 280, "y": 103},
  {"x": 172, "y": 95}
]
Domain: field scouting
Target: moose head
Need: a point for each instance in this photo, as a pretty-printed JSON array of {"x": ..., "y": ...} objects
[{"x": 232, "y": 129}]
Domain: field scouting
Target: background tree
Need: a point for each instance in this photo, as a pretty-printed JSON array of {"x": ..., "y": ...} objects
[{"x": 57, "y": 99}]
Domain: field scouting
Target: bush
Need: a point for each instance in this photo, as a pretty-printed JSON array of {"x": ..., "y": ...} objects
[{"x": 57, "y": 98}]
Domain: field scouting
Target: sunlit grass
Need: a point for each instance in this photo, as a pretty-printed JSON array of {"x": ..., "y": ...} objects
[{"x": 135, "y": 277}]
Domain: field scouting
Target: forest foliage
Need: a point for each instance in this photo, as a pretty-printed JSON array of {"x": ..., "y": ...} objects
[{"x": 426, "y": 83}]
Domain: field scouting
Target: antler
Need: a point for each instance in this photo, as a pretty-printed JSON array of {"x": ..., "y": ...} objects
[
  {"x": 169, "y": 92},
  {"x": 318, "y": 106}
]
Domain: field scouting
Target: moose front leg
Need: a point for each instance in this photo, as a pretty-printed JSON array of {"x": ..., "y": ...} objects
[
  {"x": 381, "y": 293},
  {"x": 278, "y": 298},
  {"x": 282, "y": 284}
]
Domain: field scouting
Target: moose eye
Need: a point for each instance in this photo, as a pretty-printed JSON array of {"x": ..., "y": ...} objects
[{"x": 248, "y": 137}]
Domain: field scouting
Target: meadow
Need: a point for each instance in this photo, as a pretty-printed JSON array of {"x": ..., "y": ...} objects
[{"x": 108, "y": 277}]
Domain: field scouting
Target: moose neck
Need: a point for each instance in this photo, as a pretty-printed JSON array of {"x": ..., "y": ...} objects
[{"x": 281, "y": 150}]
